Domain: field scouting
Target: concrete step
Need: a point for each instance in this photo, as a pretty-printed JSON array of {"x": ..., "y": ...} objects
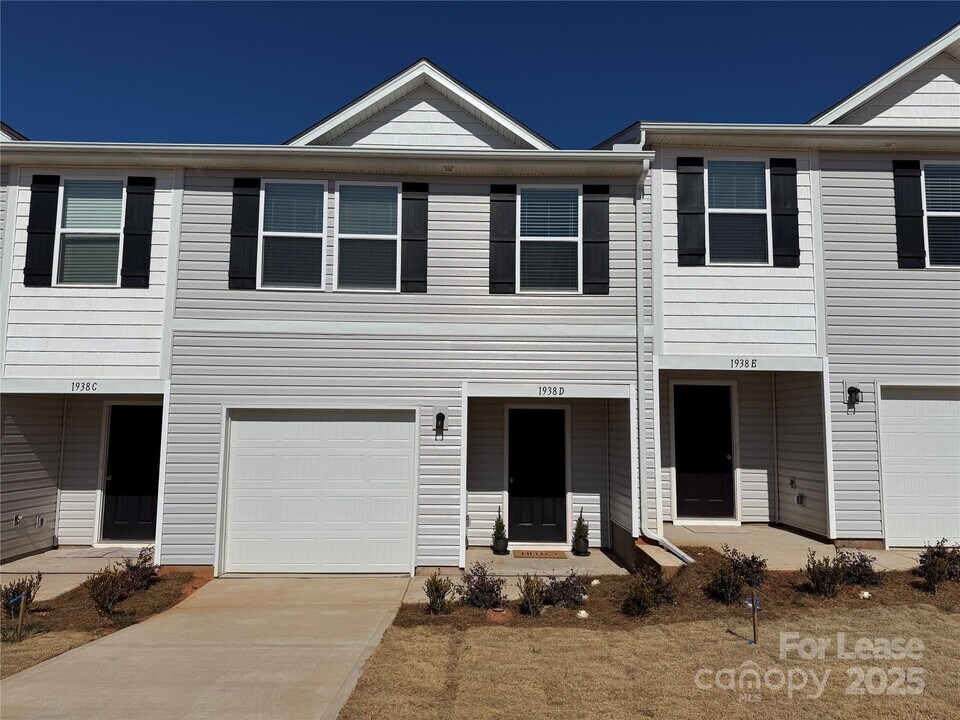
[{"x": 646, "y": 555}]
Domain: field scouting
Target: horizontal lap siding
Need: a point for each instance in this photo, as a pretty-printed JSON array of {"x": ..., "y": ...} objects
[
  {"x": 81, "y": 471},
  {"x": 884, "y": 325},
  {"x": 29, "y": 466},
  {"x": 647, "y": 400},
  {"x": 4, "y": 182},
  {"x": 737, "y": 310},
  {"x": 929, "y": 96},
  {"x": 621, "y": 478},
  {"x": 87, "y": 332}
]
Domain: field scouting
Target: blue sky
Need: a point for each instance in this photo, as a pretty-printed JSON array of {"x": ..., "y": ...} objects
[{"x": 575, "y": 73}]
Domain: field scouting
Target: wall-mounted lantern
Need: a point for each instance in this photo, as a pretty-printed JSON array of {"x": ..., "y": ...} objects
[
  {"x": 853, "y": 395},
  {"x": 440, "y": 424}
]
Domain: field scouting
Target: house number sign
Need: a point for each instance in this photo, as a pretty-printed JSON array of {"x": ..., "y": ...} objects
[
  {"x": 550, "y": 390},
  {"x": 743, "y": 363},
  {"x": 83, "y": 386}
]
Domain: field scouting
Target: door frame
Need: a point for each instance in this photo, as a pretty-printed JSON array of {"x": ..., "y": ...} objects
[
  {"x": 568, "y": 470},
  {"x": 735, "y": 442},
  {"x": 106, "y": 412}
]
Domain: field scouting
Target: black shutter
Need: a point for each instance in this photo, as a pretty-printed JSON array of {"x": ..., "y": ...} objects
[
  {"x": 784, "y": 212},
  {"x": 244, "y": 229},
  {"x": 413, "y": 238},
  {"x": 41, "y": 230},
  {"x": 137, "y": 231},
  {"x": 596, "y": 240},
  {"x": 503, "y": 239},
  {"x": 909, "y": 209},
  {"x": 691, "y": 218}
]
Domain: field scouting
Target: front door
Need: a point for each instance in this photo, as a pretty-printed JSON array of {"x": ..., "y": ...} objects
[
  {"x": 537, "y": 475},
  {"x": 133, "y": 472},
  {"x": 703, "y": 443}
]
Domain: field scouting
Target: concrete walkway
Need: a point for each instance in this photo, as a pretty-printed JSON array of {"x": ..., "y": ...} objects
[
  {"x": 237, "y": 648},
  {"x": 783, "y": 549},
  {"x": 64, "y": 568}
]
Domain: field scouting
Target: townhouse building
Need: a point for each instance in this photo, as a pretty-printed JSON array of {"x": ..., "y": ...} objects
[{"x": 350, "y": 352}]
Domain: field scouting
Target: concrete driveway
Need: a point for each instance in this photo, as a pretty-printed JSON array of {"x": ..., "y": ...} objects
[{"x": 237, "y": 648}]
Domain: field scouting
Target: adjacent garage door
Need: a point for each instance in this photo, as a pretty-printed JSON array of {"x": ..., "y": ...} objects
[
  {"x": 320, "y": 492},
  {"x": 920, "y": 446}
]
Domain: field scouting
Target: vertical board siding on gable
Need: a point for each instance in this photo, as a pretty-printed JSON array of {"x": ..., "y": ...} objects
[
  {"x": 929, "y": 96},
  {"x": 884, "y": 324},
  {"x": 426, "y": 119},
  {"x": 738, "y": 309},
  {"x": 29, "y": 466},
  {"x": 800, "y": 451},
  {"x": 756, "y": 439},
  {"x": 485, "y": 465},
  {"x": 87, "y": 332}
]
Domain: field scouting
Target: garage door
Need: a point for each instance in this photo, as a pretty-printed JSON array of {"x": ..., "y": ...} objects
[
  {"x": 920, "y": 445},
  {"x": 320, "y": 492}
]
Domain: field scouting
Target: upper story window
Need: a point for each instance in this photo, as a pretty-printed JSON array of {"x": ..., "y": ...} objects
[
  {"x": 89, "y": 232},
  {"x": 550, "y": 240},
  {"x": 368, "y": 236},
  {"x": 292, "y": 234},
  {"x": 941, "y": 199},
  {"x": 738, "y": 217}
]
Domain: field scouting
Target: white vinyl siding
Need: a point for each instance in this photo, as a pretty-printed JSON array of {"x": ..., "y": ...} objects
[
  {"x": 292, "y": 235},
  {"x": 87, "y": 332}
]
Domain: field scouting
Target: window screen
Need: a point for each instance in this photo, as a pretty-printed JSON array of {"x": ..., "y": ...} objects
[
  {"x": 737, "y": 185},
  {"x": 368, "y": 210},
  {"x": 89, "y": 251},
  {"x": 364, "y": 263},
  {"x": 89, "y": 259},
  {"x": 92, "y": 204},
  {"x": 943, "y": 237},
  {"x": 738, "y": 238},
  {"x": 549, "y": 212},
  {"x": 292, "y": 262},
  {"x": 548, "y": 266},
  {"x": 293, "y": 208},
  {"x": 942, "y": 188}
]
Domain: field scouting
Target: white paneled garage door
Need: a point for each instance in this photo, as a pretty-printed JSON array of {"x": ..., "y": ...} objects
[
  {"x": 920, "y": 447},
  {"x": 320, "y": 492}
]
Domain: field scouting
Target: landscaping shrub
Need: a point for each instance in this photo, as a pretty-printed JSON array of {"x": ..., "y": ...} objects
[
  {"x": 946, "y": 558},
  {"x": 532, "y": 594},
  {"x": 581, "y": 530},
  {"x": 139, "y": 574},
  {"x": 499, "y": 529},
  {"x": 726, "y": 584},
  {"x": 858, "y": 567},
  {"x": 647, "y": 590},
  {"x": 107, "y": 589},
  {"x": 567, "y": 591},
  {"x": 934, "y": 569},
  {"x": 752, "y": 569},
  {"x": 480, "y": 588},
  {"x": 24, "y": 586},
  {"x": 439, "y": 592},
  {"x": 825, "y": 576}
]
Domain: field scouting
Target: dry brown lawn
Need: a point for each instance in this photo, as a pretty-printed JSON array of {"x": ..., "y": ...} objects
[{"x": 463, "y": 667}]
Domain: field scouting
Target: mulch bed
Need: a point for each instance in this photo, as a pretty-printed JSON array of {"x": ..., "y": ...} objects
[{"x": 784, "y": 593}]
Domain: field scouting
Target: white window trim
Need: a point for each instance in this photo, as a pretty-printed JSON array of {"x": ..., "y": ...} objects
[
  {"x": 578, "y": 240},
  {"x": 55, "y": 280},
  {"x": 733, "y": 211},
  {"x": 337, "y": 235},
  {"x": 933, "y": 213},
  {"x": 261, "y": 234}
]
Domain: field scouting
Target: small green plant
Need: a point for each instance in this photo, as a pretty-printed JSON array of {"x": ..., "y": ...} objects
[
  {"x": 581, "y": 531},
  {"x": 825, "y": 576},
  {"x": 139, "y": 573},
  {"x": 532, "y": 594},
  {"x": 481, "y": 589},
  {"x": 499, "y": 530},
  {"x": 647, "y": 590},
  {"x": 725, "y": 584},
  {"x": 567, "y": 591},
  {"x": 858, "y": 567},
  {"x": 107, "y": 589},
  {"x": 27, "y": 586},
  {"x": 439, "y": 592}
]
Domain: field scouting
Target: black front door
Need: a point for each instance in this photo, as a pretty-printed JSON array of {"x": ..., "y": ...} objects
[
  {"x": 133, "y": 471},
  {"x": 703, "y": 442},
  {"x": 537, "y": 476}
]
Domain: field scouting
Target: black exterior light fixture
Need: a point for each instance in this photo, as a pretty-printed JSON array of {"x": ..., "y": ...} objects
[
  {"x": 439, "y": 426},
  {"x": 853, "y": 395}
]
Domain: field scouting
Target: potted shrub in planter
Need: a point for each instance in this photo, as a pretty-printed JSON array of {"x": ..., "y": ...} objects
[
  {"x": 581, "y": 536},
  {"x": 499, "y": 536}
]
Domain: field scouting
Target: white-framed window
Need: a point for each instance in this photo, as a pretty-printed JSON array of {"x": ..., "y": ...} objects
[
  {"x": 738, "y": 223},
  {"x": 89, "y": 241},
  {"x": 292, "y": 234},
  {"x": 367, "y": 253},
  {"x": 941, "y": 208},
  {"x": 549, "y": 239}
]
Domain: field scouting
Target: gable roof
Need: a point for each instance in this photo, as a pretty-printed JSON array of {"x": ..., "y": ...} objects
[
  {"x": 422, "y": 72},
  {"x": 9, "y": 133},
  {"x": 948, "y": 43}
]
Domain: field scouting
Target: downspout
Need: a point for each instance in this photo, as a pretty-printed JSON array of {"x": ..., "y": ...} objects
[{"x": 638, "y": 199}]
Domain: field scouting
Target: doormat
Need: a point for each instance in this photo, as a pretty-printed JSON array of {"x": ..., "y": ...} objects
[{"x": 540, "y": 554}]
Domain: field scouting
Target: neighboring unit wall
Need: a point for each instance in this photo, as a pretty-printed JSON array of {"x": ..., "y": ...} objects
[
  {"x": 884, "y": 324},
  {"x": 621, "y": 477},
  {"x": 754, "y": 403},
  {"x": 737, "y": 310},
  {"x": 927, "y": 97},
  {"x": 4, "y": 182},
  {"x": 29, "y": 466},
  {"x": 81, "y": 471},
  {"x": 801, "y": 456},
  {"x": 87, "y": 332},
  {"x": 342, "y": 349}
]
